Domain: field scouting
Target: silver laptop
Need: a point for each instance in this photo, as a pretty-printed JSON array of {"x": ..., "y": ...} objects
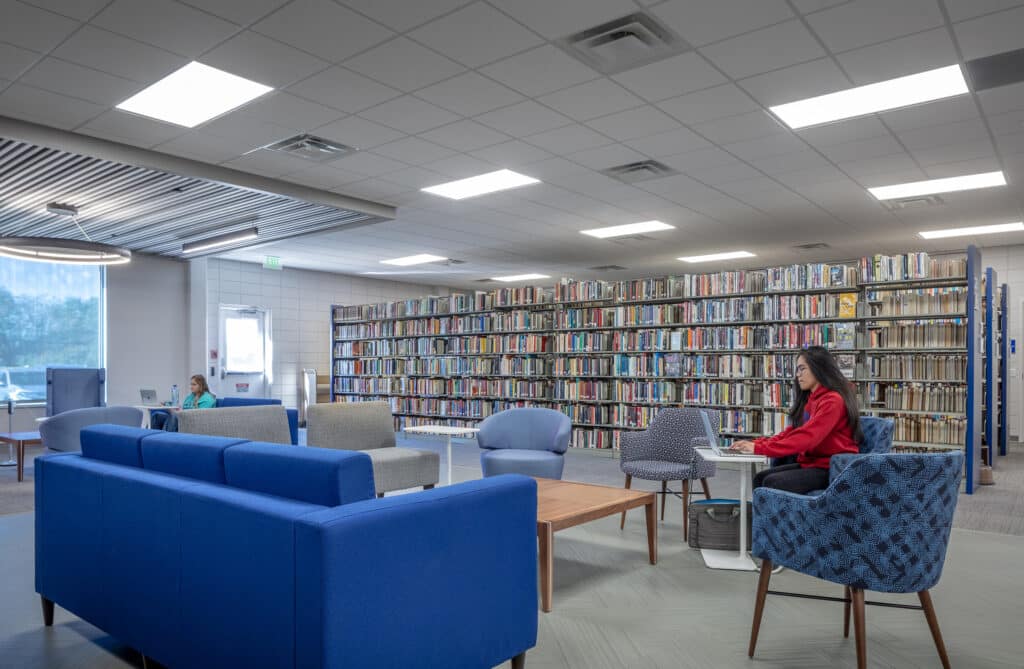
[
  {"x": 148, "y": 397},
  {"x": 712, "y": 438}
]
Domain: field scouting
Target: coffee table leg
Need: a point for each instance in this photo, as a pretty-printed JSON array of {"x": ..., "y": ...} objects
[
  {"x": 652, "y": 533},
  {"x": 21, "y": 461},
  {"x": 546, "y": 541}
]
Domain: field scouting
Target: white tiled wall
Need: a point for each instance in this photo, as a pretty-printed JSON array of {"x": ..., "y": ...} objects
[
  {"x": 1008, "y": 262},
  {"x": 299, "y": 302}
]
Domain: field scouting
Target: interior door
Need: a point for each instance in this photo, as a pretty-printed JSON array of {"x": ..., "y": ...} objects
[{"x": 247, "y": 352}]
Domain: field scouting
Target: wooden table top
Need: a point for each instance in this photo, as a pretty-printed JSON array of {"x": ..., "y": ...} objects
[
  {"x": 15, "y": 437},
  {"x": 565, "y": 503}
]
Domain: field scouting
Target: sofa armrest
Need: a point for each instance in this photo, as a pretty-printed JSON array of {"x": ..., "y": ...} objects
[
  {"x": 445, "y": 577},
  {"x": 293, "y": 425},
  {"x": 837, "y": 463}
]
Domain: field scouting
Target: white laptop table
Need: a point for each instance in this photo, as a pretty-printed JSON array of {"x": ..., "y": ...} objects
[
  {"x": 718, "y": 559},
  {"x": 446, "y": 430}
]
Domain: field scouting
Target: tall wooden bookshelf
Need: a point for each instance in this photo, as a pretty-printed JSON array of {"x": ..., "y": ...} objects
[{"x": 611, "y": 354}]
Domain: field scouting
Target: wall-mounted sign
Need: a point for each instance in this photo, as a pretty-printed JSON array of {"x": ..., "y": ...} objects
[
  {"x": 271, "y": 262},
  {"x": 241, "y": 387}
]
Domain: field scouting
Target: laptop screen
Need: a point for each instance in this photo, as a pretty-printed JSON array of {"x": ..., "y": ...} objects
[{"x": 148, "y": 396}]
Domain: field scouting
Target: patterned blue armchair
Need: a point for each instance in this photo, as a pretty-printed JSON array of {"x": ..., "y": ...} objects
[
  {"x": 877, "y": 439},
  {"x": 882, "y": 524},
  {"x": 665, "y": 452}
]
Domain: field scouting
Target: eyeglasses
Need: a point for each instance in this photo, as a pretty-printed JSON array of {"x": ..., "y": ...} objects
[{"x": 800, "y": 369}]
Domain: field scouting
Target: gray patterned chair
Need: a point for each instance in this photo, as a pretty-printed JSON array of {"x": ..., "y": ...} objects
[
  {"x": 665, "y": 452},
  {"x": 369, "y": 427},
  {"x": 267, "y": 423}
]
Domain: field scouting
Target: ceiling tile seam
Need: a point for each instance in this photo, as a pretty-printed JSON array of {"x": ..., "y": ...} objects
[
  {"x": 54, "y": 11},
  {"x": 979, "y": 108}
]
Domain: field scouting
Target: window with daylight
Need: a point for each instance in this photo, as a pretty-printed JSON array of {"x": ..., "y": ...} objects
[{"x": 53, "y": 317}]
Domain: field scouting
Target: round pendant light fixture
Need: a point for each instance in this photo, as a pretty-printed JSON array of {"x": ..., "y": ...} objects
[{"x": 67, "y": 251}]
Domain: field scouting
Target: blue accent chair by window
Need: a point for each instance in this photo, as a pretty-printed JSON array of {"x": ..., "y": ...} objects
[
  {"x": 528, "y": 441},
  {"x": 882, "y": 524}
]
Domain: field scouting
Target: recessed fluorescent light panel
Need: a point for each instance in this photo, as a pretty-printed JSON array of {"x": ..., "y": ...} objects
[
  {"x": 192, "y": 95},
  {"x": 220, "y": 240},
  {"x": 718, "y": 256},
  {"x": 481, "y": 184},
  {"x": 630, "y": 229},
  {"x": 913, "y": 89},
  {"x": 521, "y": 277},
  {"x": 932, "y": 186},
  {"x": 976, "y": 230},
  {"x": 418, "y": 259}
]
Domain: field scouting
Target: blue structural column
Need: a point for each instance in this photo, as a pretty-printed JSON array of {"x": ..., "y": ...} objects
[
  {"x": 991, "y": 365},
  {"x": 972, "y": 442},
  {"x": 1004, "y": 361}
]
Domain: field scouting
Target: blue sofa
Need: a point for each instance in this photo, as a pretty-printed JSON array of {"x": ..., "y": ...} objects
[{"x": 206, "y": 551}]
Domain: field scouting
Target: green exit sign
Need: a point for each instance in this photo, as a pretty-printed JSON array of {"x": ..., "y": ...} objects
[{"x": 271, "y": 262}]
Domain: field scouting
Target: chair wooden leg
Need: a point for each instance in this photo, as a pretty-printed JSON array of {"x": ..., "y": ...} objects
[
  {"x": 686, "y": 510},
  {"x": 846, "y": 612},
  {"x": 762, "y": 593},
  {"x": 707, "y": 489},
  {"x": 519, "y": 661},
  {"x": 859, "y": 630},
  {"x": 429, "y": 486},
  {"x": 47, "y": 611},
  {"x": 664, "y": 494},
  {"x": 379, "y": 495},
  {"x": 933, "y": 625},
  {"x": 622, "y": 523}
]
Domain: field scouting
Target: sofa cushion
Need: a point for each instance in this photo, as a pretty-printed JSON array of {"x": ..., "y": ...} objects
[
  {"x": 353, "y": 426},
  {"x": 313, "y": 475},
  {"x": 543, "y": 464},
  {"x": 255, "y": 423},
  {"x": 401, "y": 468},
  {"x": 119, "y": 444},
  {"x": 193, "y": 456}
]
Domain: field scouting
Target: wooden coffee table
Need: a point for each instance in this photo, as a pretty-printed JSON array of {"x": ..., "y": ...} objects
[
  {"x": 20, "y": 440},
  {"x": 562, "y": 504}
]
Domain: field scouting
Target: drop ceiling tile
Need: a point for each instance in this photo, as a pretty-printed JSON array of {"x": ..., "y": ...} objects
[
  {"x": 724, "y": 174},
  {"x": 873, "y": 147},
  {"x": 713, "y": 103},
  {"x": 58, "y": 76},
  {"x": 106, "y": 51},
  {"x": 264, "y": 60},
  {"x": 1002, "y": 99},
  {"x": 944, "y": 134},
  {"x": 591, "y": 100},
  {"x": 323, "y": 176},
  {"x": 882, "y": 165},
  {"x": 726, "y": 210},
  {"x": 344, "y": 90},
  {"x": 370, "y": 164},
  {"x": 977, "y": 165},
  {"x": 604, "y": 157},
  {"x": 808, "y": 6},
  {"x": 563, "y": 18},
  {"x": 634, "y": 123},
  {"x": 539, "y": 71},
  {"x": 525, "y": 118},
  {"x": 857, "y": 24},
  {"x": 358, "y": 132},
  {"x": 776, "y": 165},
  {"x": 401, "y": 15},
  {"x": 131, "y": 129},
  {"x": 806, "y": 80},
  {"x": 695, "y": 160},
  {"x": 33, "y": 28},
  {"x": 476, "y": 35},
  {"x": 287, "y": 110},
  {"x": 966, "y": 9},
  {"x": 841, "y": 133},
  {"x": 404, "y": 64},
  {"x": 1009, "y": 123},
  {"x": 460, "y": 167},
  {"x": 513, "y": 154},
  {"x": 372, "y": 189},
  {"x": 465, "y": 135},
  {"x": 409, "y": 114},
  {"x": 679, "y": 186},
  {"x": 773, "y": 145},
  {"x": 242, "y": 12},
  {"x": 469, "y": 94},
  {"x": 701, "y": 23},
  {"x": 569, "y": 139},
  {"x": 39, "y": 106},
  {"x": 671, "y": 77},
  {"x": 82, "y": 10},
  {"x": 241, "y": 128},
  {"x": 323, "y": 28},
  {"x": 268, "y": 163},
  {"x": 960, "y": 108},
  {"x": 771, "y": 48},
  {"x": 413, "y": 151},
  {"x": 414, "y": 178},
  {"x": 738, "y": 128},
  {"x": 14, "y": 61},
  {"x": 992, "y": 34},
  {"x": 166, "y": 24},
  {"x": 979, "y": 149},
  {"x": 205, "y": 147},
  {"x": 907, "y": 55},
  {"x": 668, "y": 143}
]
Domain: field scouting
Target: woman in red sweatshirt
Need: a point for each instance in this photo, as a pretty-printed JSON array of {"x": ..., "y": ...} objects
[{"x": 823, "y": 422}]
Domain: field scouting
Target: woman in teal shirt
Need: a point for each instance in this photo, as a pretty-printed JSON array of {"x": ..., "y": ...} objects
[{"x": 200, "y": 397}]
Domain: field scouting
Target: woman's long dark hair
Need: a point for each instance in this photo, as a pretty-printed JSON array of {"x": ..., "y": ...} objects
[{"x": 824, "y": 368}]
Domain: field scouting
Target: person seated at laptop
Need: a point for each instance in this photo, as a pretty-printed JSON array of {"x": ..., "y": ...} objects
[
  {"x": 824, "y": 421},
  {"x": 200, "y": 397}
]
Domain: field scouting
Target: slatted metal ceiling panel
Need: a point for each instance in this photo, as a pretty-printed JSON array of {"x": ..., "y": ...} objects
[{"x": 143, "y": 209}]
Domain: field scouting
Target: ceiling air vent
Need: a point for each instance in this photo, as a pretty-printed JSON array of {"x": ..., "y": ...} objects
[
  {"x": 317, "y": 149},
  {"x": 623, "y": 44},
  {"x": 484, "y": 281},
  {"x": 811, "y": 246},
  {"x": 644, "y": 170},
  {"x": 608, "y": 268},
  {"x": 914, "y": 202}
]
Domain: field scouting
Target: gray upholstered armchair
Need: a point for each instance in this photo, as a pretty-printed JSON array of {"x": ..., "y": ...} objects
[
  {"x": 665, "y": 452},
  {"x": 62, "y": 432}
]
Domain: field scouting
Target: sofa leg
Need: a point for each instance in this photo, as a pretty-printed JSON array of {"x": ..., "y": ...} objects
[
  {"x": 933, "y": 625},
  {"x": 762, "y": 593},
  {"x": 47, "y": 611},
  {"x": 859, "y": 628},
  {"x": 379, "y": 495},
  {"x": 519, "y": 661},
  {"x": 622, "y": 523},
  {"x": 846, "y": 612},
  {"x": 429, "y": 486}
]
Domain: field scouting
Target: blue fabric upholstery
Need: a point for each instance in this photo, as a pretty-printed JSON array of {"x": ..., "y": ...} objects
[
  {"x": 882, "y": 524},
  {"x": 665, "y": 450},
  {"x": 314, "y": 475},
  {"x": 528, "y": 462},
  {"x": 293, "y": 414},
  {"x": 200, "y": 574},
  {"x": 543, "y": 432},
  {"x": 877, "y": 439},
  {"x": 118, "y": 444},
  {"x": 70, "y": 388},
  {"x": 63, "y": 431},
  {"x": 190, "y": 455},
  {"x": 457, "y": 585}
]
